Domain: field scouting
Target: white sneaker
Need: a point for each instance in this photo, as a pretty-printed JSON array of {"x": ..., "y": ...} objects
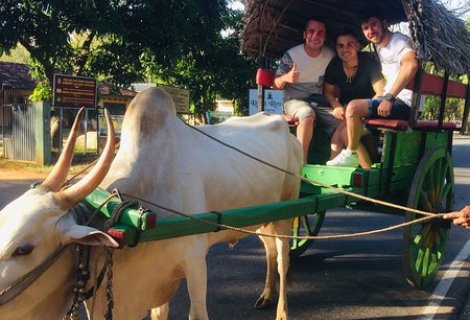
[{"x": 344, "y": 159}]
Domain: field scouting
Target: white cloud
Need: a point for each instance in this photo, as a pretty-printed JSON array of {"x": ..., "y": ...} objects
[{"x": 236, "y": 5}]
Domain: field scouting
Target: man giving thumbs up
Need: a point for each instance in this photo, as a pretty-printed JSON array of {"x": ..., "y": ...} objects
[{"x": 300, "y": 74}]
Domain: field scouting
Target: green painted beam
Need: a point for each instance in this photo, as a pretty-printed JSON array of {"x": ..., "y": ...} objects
[
  {"x": 129, "y": 231},
  {"x": 133, "y": 217},
  {"x": 178, "y": 226}
]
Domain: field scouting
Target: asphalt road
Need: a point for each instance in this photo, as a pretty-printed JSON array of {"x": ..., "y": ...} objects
[{"x": 358, "y": 278}]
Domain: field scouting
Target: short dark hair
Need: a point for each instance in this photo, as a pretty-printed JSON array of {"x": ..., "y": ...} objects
[
  {"x": 370, "y": 11},
  {"x": 345, "y": 31},
  {"x": 317, "y": 19}
]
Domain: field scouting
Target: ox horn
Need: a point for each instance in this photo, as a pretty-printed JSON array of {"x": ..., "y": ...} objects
[
  {"x": 69, "y": 197},
  {"x": 58, "y": 175}
]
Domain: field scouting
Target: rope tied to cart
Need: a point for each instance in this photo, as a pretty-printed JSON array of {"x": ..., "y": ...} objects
[
  {"x": 318, "y": 183},
  {"x": 220, "y": 226},
  {"x": 427, "y": 215}
]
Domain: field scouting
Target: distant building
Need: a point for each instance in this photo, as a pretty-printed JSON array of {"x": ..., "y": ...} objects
[
  {"x": 16, "y": 86},
  {"x": 139, "y": 87},
  {"x": 114, "y": 99}
]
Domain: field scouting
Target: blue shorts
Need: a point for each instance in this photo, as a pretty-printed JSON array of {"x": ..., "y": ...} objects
[{"x": 400, "y": 110}]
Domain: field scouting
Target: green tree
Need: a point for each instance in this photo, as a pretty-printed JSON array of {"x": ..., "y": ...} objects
[
  {"x": 19, "y": 54},
  {"x": 123, "y": 41},
  {"x": 113, "y": 34},
  {"x": 219, "y": 70}
]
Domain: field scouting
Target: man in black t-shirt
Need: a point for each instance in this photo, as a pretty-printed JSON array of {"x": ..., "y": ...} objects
[{"x": 356, "y": 75}]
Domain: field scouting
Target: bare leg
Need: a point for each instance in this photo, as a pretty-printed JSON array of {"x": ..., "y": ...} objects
[
  {"x": 355, "y": 110},
  {"x": 305, "y": 134},
  {"x": 339, "y": 140},
  {"x": 363, "y": 156}
]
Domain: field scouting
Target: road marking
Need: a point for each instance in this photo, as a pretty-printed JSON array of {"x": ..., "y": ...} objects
[{"x": 445, "y": 282}]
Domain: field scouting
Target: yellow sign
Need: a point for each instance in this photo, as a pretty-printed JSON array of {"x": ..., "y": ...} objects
[
  {"x": 103, "y": 129},
  {"x": 180, "y": 97}
]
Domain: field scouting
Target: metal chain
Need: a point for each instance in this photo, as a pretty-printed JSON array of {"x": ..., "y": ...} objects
[
  {"x": 82, "y": 276},
  {"x": 109, "y": 284}
]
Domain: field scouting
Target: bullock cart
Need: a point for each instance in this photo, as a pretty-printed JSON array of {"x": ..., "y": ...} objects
[{"x": 413, "y": 166}]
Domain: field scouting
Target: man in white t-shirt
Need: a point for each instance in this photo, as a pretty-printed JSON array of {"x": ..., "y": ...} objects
[
  {"x": 300, "y": 74},
  {"x": 399, "y": 65}
]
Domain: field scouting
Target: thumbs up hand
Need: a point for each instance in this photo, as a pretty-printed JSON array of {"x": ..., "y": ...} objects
[{"x": 293, "y": 75}]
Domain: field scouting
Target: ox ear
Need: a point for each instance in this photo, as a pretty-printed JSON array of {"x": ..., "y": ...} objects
[{"x": 89, "y": 236}]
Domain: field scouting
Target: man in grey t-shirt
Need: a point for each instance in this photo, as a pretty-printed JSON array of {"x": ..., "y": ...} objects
[{"x": 300, "y": 75}]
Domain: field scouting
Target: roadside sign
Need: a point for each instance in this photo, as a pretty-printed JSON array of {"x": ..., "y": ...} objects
[
  {"x": 273, "y": 101},
  {"x": 74, "y": 92},
  {"x": 117, "y": 124},
  {"x": 180, "y": 97}
]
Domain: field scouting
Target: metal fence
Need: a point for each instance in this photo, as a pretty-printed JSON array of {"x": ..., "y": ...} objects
[{"x": 18, "y": 132}]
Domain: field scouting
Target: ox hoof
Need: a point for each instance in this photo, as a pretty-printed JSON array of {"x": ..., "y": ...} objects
[{"x": 263, "y": 303}]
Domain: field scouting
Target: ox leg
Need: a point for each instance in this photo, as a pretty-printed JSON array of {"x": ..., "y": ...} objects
[
  {"x": 196, "y": 280},
  {"x": 282, "y": 228},
  {"x": 160, "y": 313},
  {"x": 265, "y": 300}
]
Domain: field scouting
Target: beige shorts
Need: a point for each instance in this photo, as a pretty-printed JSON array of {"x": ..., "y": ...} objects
[{"x": 323, "y": 116}]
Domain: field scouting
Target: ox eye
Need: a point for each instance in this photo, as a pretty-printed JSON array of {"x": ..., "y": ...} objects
[{"x": 23, "y": 250}]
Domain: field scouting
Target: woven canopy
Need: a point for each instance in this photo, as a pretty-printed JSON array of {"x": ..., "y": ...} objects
[{"x": 273, "y": 26}]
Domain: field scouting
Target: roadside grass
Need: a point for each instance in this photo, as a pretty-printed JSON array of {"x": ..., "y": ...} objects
[{"x": 79, "y": 163}]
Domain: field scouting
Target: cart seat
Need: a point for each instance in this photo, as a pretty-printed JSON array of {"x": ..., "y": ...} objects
[
  {"x": 402, "y": 125},
  {"x": 434, "y": 125},
  {"x": 393, "y": 124},
  {"x": 379, "y": 123}
]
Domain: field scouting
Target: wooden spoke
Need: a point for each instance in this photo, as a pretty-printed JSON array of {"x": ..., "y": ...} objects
[
  {"x": 306, "y": 225},
  {"x": 432, "y": 190}
]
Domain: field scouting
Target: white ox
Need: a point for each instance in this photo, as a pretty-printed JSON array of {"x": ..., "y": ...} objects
[{"x": 164, "y": 161}]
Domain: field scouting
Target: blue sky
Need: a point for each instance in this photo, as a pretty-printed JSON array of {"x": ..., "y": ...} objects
[{"x": 461, "y": 6}]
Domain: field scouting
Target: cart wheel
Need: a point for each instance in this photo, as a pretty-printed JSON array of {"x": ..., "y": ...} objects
[
  {"x": 432, "y": 190},
  {"x": 306, "y": 225}
]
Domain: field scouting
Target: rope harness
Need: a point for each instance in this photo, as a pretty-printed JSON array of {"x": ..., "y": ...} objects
[
  {"x": 314, "y": 182},
  {"x": 83, "y": 216},
  {"x": 220, "y": 226},
  {"x": 17, "y": 287},
  {"x": 82, "y": 213}
]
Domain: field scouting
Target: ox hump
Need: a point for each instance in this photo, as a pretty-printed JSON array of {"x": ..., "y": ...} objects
[{"x": 149, "y": 110}]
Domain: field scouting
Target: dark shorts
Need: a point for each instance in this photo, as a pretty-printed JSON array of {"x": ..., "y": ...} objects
[{"x": 400, "y": 110}]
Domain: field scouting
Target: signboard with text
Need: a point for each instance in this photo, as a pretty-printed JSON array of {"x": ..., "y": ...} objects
[
  {"x": 103, "y": 128},
  {"x": 180, "y": 97},
  {"x": 74, "y": 92},
  {"x": 273, "y": 101}
]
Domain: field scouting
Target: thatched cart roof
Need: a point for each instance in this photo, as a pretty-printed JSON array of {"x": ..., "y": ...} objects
[{"x": 273, "y": 26}]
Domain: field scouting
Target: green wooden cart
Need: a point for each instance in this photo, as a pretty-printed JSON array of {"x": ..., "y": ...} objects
[{"x": 414, "y": 166}]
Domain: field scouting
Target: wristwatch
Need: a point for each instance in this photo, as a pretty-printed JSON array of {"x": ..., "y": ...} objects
[{"x": 389, "y": 97}]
